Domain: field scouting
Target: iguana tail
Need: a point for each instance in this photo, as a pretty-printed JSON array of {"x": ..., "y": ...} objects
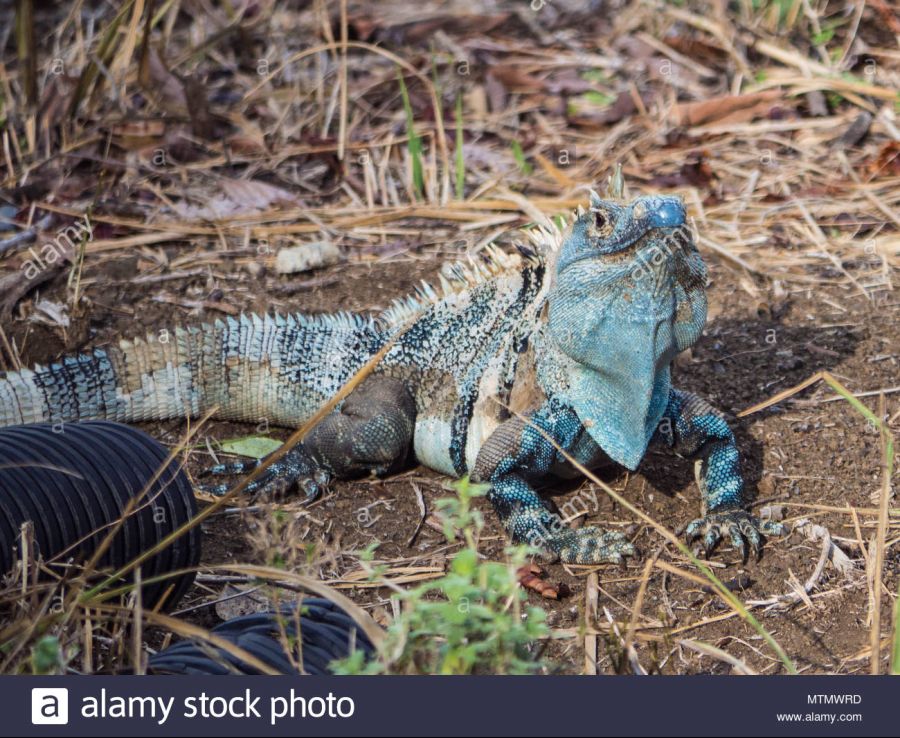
[{"x": 273, "y": 369}]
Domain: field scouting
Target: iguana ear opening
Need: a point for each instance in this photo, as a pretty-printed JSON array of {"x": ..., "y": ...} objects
[{"x": 603, "y": 220}]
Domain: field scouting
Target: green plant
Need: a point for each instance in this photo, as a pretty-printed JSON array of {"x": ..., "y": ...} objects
[
  {"x": 414, "y": 143},
  {"x": 473, "y": 620},
  {"x": 519, "y": 156},
  {"x": 459, "y": 155},
  {"x": 47, "y": 656}
]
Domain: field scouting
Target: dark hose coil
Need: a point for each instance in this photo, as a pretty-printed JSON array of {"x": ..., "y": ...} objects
[
  {"x": 74, "y": 481},
  {"x": 327, "y": 633}
]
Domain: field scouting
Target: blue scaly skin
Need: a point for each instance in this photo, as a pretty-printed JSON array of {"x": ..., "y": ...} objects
[{"x": 567, "y": 344}]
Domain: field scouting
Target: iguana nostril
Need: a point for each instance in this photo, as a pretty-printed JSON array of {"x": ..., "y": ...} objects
[{"x": 668, "y": 213}]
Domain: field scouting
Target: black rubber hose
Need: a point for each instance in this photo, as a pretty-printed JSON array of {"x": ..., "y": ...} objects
[
  {"x": 73, "y": 482},
  {"x": 326, "y": 632}
]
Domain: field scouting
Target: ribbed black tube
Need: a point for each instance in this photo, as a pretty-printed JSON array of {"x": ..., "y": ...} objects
[
  {"x": 74, "y": 482},
  {"x": 327, "y": 634}
]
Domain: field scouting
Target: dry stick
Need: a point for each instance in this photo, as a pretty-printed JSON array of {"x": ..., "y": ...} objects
[
  {"x": 887, "y": 446},
  {"x": 138, "y": 619},
  {"x": 423, "y": 514},
  {"x": 469, "y": 211},
  {"x": 87, "y": 654},
  {"x": 591, "y": 592},
  {"x": 717, "y": 653},
  {"x": 851, "y": 34},
  {"x": 878, "y": 203},
  {"x": 639, "y": 602},
  {"x": 811, "y": 581},
  {"x": 342, "y": 117},
  {"x": 690, "y": 576},
  {"x": 723, "y": 591},
  {"x": 859, "y": 537},
  {"x": 887, "y": 456},
  {"x": 13, "y": 355},
  {"x": 872, "y": 393},
  {"x": 845, "y": 510}
]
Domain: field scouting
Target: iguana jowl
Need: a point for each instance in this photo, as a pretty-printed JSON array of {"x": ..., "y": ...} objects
[{"x": 571, "y": 341}]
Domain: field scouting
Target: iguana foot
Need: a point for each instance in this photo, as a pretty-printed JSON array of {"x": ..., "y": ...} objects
[
  {"x": 740, "y": 526},
  {"x": 591, "y": 546},
  {"x": 295, "y": 470}
]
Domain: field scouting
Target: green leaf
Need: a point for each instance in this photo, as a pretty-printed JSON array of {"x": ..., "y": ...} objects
[
  {"x": 465, "y": 562},
  {"x": 594, "y": 75},
  {"x": 46, "y": 655},
  {"x": 458, "y": 154},
  {"x": 519, "y": 156},
  {"x": 823, "y": 36},
  {"x": 600, "y": 99},
  {"x": 256, "y": 447},
  {"x": 414, "y": 143}
]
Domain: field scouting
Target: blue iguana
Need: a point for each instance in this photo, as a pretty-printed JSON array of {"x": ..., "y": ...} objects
[{"x": 565, "y": 344}]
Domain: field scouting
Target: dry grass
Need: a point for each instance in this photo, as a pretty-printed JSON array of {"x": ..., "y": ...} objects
[{"x": 203, "y": 138}]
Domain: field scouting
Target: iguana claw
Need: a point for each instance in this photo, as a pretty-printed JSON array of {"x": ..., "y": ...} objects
[
  {"x": 740, "y": 526},
  {"x": 295, "y": 470}
]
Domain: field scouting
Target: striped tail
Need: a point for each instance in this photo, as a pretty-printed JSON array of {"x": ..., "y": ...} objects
[{"x": 276, "y": 369}]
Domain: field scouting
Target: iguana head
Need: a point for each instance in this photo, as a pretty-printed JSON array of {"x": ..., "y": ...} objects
[
  {"x": 628, "y": 295},
  {"x": 640, "y": 260}
]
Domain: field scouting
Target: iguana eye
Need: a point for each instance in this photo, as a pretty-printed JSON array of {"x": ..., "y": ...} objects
[{"x": 600, "y": 220}]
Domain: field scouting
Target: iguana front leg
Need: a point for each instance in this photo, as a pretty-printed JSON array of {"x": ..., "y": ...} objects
[
  {"x": 515, "y": 456},
  {"x": 693, "y": 428},
  {"x": 371, "y": 434}
]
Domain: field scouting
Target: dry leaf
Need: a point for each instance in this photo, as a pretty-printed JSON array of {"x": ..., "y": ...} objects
[
  {"x": 531, "y": 577},
  {"x": 238, "y": 197},
  {"x": 164, "y": 86},
  {"x": 726, "y": 109}
]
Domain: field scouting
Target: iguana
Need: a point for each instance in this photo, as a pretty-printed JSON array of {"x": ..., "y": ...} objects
[{"x": 565, "y": 344}]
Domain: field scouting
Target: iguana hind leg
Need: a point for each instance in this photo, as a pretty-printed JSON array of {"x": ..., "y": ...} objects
[
  {"x": 516, "y": 455},
  {"x": 371, "y": 434}
]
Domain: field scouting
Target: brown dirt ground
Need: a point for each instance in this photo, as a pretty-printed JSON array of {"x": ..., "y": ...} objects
[{"x": 811, "y": 453}]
